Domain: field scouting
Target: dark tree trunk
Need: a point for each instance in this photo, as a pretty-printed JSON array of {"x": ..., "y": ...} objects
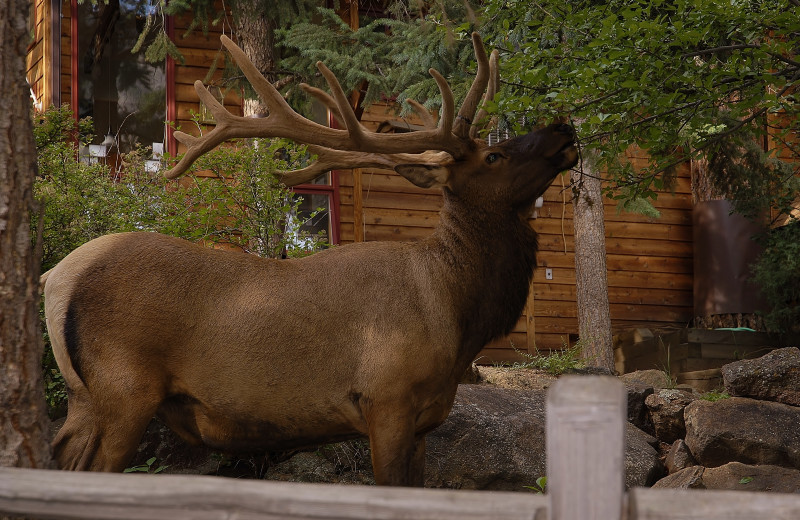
[
  {"x": 591, "y": 277},
  {"x": 24, "y": 435},
  {"x": 255, "y": 31}
]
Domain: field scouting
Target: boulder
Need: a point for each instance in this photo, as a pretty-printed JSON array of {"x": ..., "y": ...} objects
[
  {"x": 772, "y": 377},
  {"x": 666, "y": 411},
  {"x": 643, "y": 466},
  {"x": 735, "y": 476},
  {"x": 679, "y": 457},
  {"x": 688, "y": 478},
  {"x": 656, "y": 379},
  {"x": 638, "y": 415},
  {"x": 494, "y": 439},
  {"x": 744, "y": 477},
  {"x": 743, "y": 430}
]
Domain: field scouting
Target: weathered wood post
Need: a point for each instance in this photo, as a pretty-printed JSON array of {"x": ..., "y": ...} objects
[{"x": 586, "y": 448}]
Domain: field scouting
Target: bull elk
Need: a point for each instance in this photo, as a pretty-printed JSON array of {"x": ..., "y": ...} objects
[{"x": 368, "y": 339}]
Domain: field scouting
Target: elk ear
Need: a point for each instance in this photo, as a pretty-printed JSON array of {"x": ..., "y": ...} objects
[{"x": 424, "y": 175}]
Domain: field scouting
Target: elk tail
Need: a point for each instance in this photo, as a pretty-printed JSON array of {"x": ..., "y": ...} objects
[{"x": 43, "y": 278}]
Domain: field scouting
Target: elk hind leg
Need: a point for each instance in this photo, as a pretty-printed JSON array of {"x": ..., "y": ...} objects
[{"x": 98, "y": 440}]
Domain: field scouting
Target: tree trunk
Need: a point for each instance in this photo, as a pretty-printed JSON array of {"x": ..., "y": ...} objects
[
  {"x": 24, "y": 434},
  {"x": 255, "y": 31},
  {"x": 591, "y": 277}
]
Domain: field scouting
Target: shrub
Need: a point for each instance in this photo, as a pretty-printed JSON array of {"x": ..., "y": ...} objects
[{"x": 777, "y": 272}]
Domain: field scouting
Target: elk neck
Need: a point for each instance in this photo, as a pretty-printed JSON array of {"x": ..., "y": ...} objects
[{"x": 487, "y": 257}]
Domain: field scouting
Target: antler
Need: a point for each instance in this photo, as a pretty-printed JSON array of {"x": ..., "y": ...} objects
[{"x": 350, "y": 147}]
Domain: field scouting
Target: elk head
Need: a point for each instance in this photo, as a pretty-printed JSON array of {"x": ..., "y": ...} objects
[{"x": 446, "y": 155}]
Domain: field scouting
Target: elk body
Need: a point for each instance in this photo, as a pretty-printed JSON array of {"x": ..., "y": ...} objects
[{"x": 368, "y": 339}]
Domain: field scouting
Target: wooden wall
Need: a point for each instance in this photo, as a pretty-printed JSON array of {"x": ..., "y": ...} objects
[
  {"x": 40, "y": 69},
  {"x": 66, "y": 52},
  {"x": 200, "y": 51},
  {"x": 35, "y": 62},
  {"x": 649, "y": 260}
]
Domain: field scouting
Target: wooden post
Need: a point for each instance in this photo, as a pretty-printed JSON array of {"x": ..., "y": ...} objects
[{"x": 586, "y": 448}]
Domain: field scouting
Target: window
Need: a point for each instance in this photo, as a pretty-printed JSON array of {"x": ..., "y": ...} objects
[
  {"x": 322, "y": 192},
  {"x": 123, "y": 93}
]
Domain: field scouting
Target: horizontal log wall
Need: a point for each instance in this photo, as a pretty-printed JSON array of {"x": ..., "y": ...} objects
[
  {"x": 35, "y": 62},
  {"x": 200, "y": 52}
]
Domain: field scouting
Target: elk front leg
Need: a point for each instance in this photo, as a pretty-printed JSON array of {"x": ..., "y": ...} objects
[{"x": 398, "y": 454}]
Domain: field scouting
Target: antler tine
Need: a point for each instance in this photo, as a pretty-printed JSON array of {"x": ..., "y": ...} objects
[
  {"x": 467, "y": 111},
  {"x": 328, "y": 159},
  {"x": 354, "y": 127},
  {"x": 491, "y": 90},
  {"x": 324, "y": 98},
  {"x": 427, "y": 119},
  {"x": 448, "y": 104}
]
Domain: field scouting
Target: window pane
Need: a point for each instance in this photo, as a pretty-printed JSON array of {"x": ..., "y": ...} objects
[
  {"x": 311, "y": 219},
  {"x": 121, "y": 91}
]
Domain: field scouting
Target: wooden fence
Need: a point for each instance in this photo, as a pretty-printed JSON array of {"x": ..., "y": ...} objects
[{"x": 585, "y": 466}]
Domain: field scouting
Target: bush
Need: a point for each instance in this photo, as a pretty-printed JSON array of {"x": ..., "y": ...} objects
[
  {"x": 80, "y": 201},
  {"x": 777, "y": 272}
]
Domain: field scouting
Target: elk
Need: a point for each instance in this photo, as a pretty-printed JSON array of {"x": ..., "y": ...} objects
[{"x": 361, "y": 340}]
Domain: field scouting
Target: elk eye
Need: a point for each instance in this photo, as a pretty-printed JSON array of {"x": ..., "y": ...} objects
[{"x": 492, "y": 157}]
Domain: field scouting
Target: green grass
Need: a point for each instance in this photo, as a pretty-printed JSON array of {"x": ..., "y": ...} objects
[
  {"x": 715, "y": 395},
  {"x": 557, "y": 362}
]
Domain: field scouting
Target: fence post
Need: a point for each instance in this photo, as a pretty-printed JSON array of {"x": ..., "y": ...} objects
[{"x": 586, "y": 418}]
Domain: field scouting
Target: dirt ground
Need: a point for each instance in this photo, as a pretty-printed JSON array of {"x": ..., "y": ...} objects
[{"x": 520, "y": 378}]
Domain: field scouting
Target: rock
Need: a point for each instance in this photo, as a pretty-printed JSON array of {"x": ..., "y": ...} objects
[
  {"x": 688, "y": 478},
  {"x": 656, "y": 379},
  {"x": 772, "y": 377},
  {"x": 638, "y": 413},
  {"x": 340, "y": 463},
  {"x": 494, "y": 439},
  {"x": 679, "y": 457},
  {"x": 744, "y": 477},
  {"x": 735, "y": 476},
  {"x": 666, "y": 411},
  {"x": 743, "y": 430},
  {"x": 643, "y": 466}
]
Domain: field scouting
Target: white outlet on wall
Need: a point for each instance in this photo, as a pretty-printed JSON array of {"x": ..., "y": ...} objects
[{"x": 548, "y": 273}]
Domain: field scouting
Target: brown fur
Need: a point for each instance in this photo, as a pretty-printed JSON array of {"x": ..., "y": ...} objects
[{"x": 239, "y": 352}]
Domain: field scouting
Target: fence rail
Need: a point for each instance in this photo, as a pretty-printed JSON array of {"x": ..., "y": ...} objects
[{"x": 585, "y": 448}]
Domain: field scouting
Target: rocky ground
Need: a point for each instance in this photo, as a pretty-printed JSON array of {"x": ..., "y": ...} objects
[{"x": 744, "y": 439}]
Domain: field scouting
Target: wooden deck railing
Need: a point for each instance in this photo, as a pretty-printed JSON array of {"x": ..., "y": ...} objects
[{"x": 585, "y": 448}]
